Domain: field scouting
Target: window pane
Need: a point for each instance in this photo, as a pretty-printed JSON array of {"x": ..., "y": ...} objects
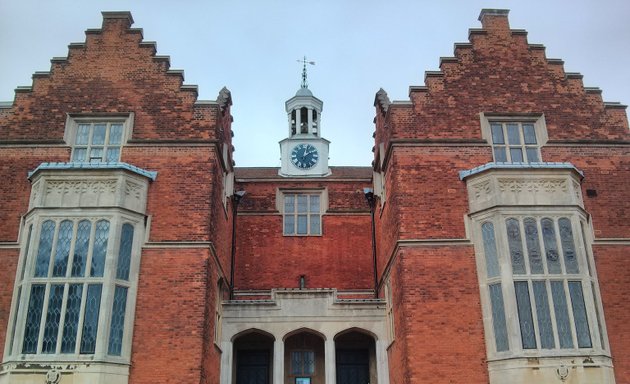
[
  {"x": 296, "y": 363},
  {"x": 289, "y": 224},
  {"x": 33, "y": 318},
  {"x": 100, "y": 248},
  {"x": 83, "y": 134},
  {"x": 568, "y": 246},
  {"x": 302, "y": 225},
  {"x": 516, "y": 155},
  {"x": 490, "y": 250},
  {"x": 98, "y": 136},
  {"x": 314, "y": 203},
  {"x": 516, "y": 246},
  {"x": 113, "y": 154},
  {"x": 309, "y": 362},
  {"x": 529, "y": 134},
  {"x": 15, "y": 314},
  {"x": 532, "y": 154},
  {"x": 124, "y": 253},
  {"x": 497, "y": 133},
  {"x": 586, "y": 249},
  {"x": 499, "y": 155},
  {"x": 301, "y": 203},
  {"x": 551, "y": 246},
  {"x": 115, "y": 133},
  {"x": 45, "y": 248},
  {"x": 315, "y": 225},
  {"x": 533, "y": 246},
  {"x": 579, "y": 315},
  {"x": 80, "y": 154},
  {"x": 545, "y": 329},
  {"x": 53, "y": 317},
  {"x": 562, "y": 314},
  {"x": 498, "y": 318},
  {"x": 96, "y": 154},
  {"x": 596, "y": 304},
  {"x": 90, "y": 318},
  {"x": 525, "y": 315},
  {"x": 81, "y": 248},
  {"x": 289, "y": 203},
  {"x": 27, "y": 248},
  {"x": 118, "y": 321},
  {"x": 514, "y": 136},
  {"x": 71, "y": 320},
  {"x": 64, "y": 239}
]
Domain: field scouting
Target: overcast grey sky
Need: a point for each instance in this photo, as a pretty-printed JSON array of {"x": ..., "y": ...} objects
[{"x": 251, "y": 46}]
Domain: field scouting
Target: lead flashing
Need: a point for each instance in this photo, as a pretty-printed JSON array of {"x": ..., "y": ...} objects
[
  {"x": 93, "y": 166},
  {"x": 524, "y": 166}
]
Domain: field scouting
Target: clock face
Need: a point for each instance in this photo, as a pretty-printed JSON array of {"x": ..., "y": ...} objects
[{"x": 304, "y": 156}]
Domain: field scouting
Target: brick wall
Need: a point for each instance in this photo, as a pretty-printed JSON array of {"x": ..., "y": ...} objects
[
  {"x": 115, "y": 72},
  {"x": 438, "y": 133},
  {"x": 340, "y": 258}
]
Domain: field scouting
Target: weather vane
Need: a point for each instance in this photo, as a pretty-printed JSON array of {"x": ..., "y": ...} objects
[{"x": 304, "y": 76}]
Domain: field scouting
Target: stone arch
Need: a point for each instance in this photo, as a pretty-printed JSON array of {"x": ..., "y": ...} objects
[
  {"x": 306, "y": 330},
  {"x": 357, "y": 330},
  {"x": 252, "y": 330},
  {"x": 355, "y": 355},
  {"x": 252, "y": 354}
]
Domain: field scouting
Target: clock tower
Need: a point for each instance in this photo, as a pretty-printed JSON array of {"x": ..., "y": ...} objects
[{"x": 304, "y": 153}]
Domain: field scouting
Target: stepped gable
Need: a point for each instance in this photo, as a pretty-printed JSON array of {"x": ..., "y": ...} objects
[
  {"x": 114, "y": 71},
  {"x": 498, "y": 71}
]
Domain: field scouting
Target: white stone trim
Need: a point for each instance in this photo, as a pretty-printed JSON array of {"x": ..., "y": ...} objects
[{"x": 317, "y": 310}]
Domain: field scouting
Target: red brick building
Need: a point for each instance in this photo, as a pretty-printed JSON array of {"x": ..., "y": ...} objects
[{"x": 486, "y": 244}]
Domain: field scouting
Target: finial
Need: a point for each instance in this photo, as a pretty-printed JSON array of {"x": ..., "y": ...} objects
[{"x": 304, "y": 76}]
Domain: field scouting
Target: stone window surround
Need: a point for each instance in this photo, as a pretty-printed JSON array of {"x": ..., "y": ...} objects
[
  {"x": 498, "y": 217},
  {"x": 73, "y": 121},
  {"x": 323, "y": 205},
  {"x": 116, "y": 218},
  {"x": 497, "y": 191},
  {"x": 317, "y": 311},
  {"x": 115, "y": 191}
]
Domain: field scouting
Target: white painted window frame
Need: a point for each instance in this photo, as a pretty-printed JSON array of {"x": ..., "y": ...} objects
[
  {"x": 323, "y": 207},
  {"x": 72, "y": 126},
  {"x": 540, "y": 128}
]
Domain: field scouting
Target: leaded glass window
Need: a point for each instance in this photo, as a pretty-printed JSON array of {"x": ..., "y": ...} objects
[
  {"x": 302, "y": 214},
  {"x": 73, "y": 271},
  {"x": 124, "y": 253},
  {"x": 118, "y": 321},
  {"x": 551, "y": 288},
  {"x": 302, "y": 362},
  {"x": 98, "y": 142}
]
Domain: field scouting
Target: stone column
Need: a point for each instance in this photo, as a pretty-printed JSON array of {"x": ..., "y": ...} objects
[
  {"x": 226, "y": 362},
  {"x": 310, "y": 120},
  {"x": 278, "y": 361},
  {"x": 298, "y": 121},
  {"x": 329, "y": 359},
  {"x": 382, "y": 366}
]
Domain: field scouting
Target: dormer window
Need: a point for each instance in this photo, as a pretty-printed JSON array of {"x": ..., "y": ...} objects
[{"x": 97, "y": 140}]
